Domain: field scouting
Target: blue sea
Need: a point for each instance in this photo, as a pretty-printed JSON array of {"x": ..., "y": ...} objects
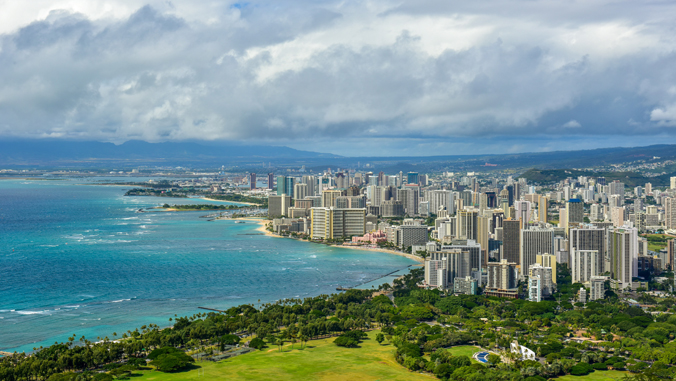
[{"x": 77, "y": 258}]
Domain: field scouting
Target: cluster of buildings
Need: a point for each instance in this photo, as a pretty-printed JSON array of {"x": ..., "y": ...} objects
[{"x": 488, "y": 233}]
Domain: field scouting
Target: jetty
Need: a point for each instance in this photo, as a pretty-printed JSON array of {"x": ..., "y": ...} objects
[
  {"x": 210, "y": 309},
  {"x": 369, "y": 281}
]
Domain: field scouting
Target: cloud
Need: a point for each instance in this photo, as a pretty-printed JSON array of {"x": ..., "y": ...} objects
[
  {"x": 308, "y": 71},
  {"x": 572, "y": 124}
]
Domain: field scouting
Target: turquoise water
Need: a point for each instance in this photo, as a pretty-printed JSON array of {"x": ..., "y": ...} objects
[{"x": 78, "y": 259}]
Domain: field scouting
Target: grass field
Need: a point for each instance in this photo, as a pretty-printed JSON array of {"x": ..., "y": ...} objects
[
  {"x": 320, "y": 360},
  {"x": 596, "y": 376},
  {"x": 464, "y": 350}
]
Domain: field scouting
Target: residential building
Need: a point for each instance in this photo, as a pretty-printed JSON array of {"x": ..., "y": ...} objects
[
  {"x": 511, "y": 241},
  {"x": 501, "y": 279},
  {"x": 534, "y": 241},
  {"x": 623, "y": 255},
  {"x": 465, "y": 286},
  {"x": 329, "y": 197},
  {"x": 584, "y": 265},
  {"x": 436, "y": 274},
  {"x": 544, "y": 274},
  {"x": 534, "y": 289},
  {"x": 597, "y": 288}
]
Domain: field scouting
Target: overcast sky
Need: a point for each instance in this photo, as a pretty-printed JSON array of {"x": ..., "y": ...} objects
[{"x": 417, "y": 77}]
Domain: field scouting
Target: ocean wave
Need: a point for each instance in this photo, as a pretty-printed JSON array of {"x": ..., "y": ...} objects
[
  {"x": 49, "y": 245},
  {"x": 121, "y": 300},
  {"x": 33, "y": 312},
  {"x": 313, "y": 256},
  {"x": 130, "y": 218}
]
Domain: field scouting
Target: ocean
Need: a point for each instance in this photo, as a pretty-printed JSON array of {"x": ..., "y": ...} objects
[{"x": 79, "y": 259}]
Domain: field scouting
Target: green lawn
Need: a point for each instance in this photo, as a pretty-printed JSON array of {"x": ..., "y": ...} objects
[
  {"x": 596, "y": 376},
  {"x": 320, "y": 360},
  {"x": 464, "y": 350}
]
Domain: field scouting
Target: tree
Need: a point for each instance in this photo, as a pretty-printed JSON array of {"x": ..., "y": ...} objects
[
  {"x": 171, "y": 362},
  {"x": 493, "y": 359},
  {"x": 380, "y": 338}
]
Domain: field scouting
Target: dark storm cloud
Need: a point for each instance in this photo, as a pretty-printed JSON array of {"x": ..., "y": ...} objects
[{"x": 312, "y": 71}]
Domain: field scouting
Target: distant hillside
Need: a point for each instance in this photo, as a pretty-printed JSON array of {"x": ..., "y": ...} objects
[
  {"x": 630, "y": 179},
  {"x": 53, "y": 152}
]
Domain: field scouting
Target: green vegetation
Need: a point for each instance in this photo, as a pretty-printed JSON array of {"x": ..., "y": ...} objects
[
  {"x": 630, "y": 179},
  {"x": 198, "y": 207},
  {"x": 657, "y": 242},
  {"x": 263, "y": 202},
  {"x": 319, "y": 360},
  {"x": 358, "y": 334}
]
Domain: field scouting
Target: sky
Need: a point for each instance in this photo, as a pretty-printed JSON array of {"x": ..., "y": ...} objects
[{"x": 354, "y": 78}]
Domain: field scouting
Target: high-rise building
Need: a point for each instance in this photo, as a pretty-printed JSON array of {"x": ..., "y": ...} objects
[
  {"x": 545, "y": 276},
  {"x": 465, "y": 286},
  {"x": 616, "y": 187},
  {"x": 590, "y": 238},
  {"x": 584, "y": 265},
  {"x": 285, "y": 185},
  {"x": 670, "y": 255},
  {"x": 300, "y": 191},
  {"x": 436, "y": 274},
  {"x": 575, "y": 211},
  {"x": 467, "y": 224},
  {"x": 596, "y": 213},
  {"x": 408, "y": 234},
  {"x": 332, "y": 223},
  {"x": 673, "y": 183},
  {"x": 511, "y": 241},
  {"x": 409, "y": 196},
  {"x": 278, "y": 206},
  {"x": 617, "y": 216},
  {"x": 252, "y": 181},
  {"x": 670, "y": 211},
  {"x": 271, "y": 180},
  {"x": 413, "y": 178},
  {"x": 533, "y": 242},
  {"x": 648, "y": 189},
  {"x": 548, "y": 260},
  {"x": 392, "y": 208},
  {"x": 598, "y": 288},
  {"x": 329, "y": 198},
  {"x": 439, "y": 199},
  {"x": 457, "y": 262},
  {"x": 501, "y": 277},
  {"x": 483, "y": 236},
  {"x": 623, "y": 255},
  {"x": 534, "y": 289},
  {"x": 543, "y": 205},
  {"x": 522, "y": 209},
  {"x": 469, "y": 246}
]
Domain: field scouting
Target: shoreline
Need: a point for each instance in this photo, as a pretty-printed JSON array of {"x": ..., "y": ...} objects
[
  {"x": 262, "y": 224},
  {"x": 230, "y": 202},
  {"x": 399, "y": 253}
]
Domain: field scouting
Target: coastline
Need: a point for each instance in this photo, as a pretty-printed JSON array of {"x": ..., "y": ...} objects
[
  {"x": 399, "y": 253},
  {"x": 262, "y": 224},
  {"x": 231, "y": 202}
]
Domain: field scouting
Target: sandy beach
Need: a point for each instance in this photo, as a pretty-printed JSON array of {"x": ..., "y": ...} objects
[{"x": 407, "y": 255}]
